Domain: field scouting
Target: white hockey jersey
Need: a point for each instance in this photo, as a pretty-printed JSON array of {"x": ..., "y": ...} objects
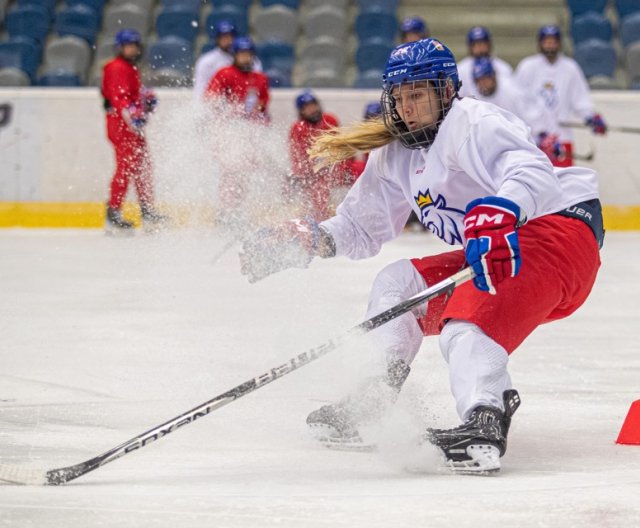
[
  {"x": 480, "y": 150},
  {"x": 208, "y": 65},
  {"x": 562, "y": 86},
  {"x": 465, "y": 74},
  {"x": 526, "y": 105}
]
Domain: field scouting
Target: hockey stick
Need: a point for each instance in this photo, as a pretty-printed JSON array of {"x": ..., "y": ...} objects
[
  {"x": 626, "y": 129},
  {"x": 20, "y": 475},
  {"x": 223, "y": 251}
]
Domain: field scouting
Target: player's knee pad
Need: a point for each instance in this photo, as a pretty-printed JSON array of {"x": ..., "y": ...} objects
[{"x": 398, "y": 280}]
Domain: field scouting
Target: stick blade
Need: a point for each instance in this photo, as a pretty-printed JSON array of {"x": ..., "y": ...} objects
[{"x": 22, "y": 476}]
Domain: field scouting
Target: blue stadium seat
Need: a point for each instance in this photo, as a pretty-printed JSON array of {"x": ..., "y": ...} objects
[
  {"x": 373, "y": 53},
  {"x": 376, "y": 22},
  {"x": 627, "y": 7},
  {"x": 96, "y": 5},
  {"x": 279, "y": 78},
  {"x": 28, "y": 21},
  {"x": 369, "y": 79},
  {"x": 177, "y": 21},
  {"x": 171, "y": 52},
  {"x": 579, "y": 7},
  {"x": 242, "y": 4},
  {"x": 236, "y": 15},
  {"x": 389, "y": 6},
  {"x": 596, "y": 57},
  {"x": 630, "y": 29},
  {"x": 60, "y": 79},
  {"x": 192, "y": 5},
  {"x": 80, "y": 21},
  {"x": 49, "y": 5},
  {"x": 291, "y": 4},
  {"x": 23, "y": 53},
  {"x": 590, "y": 25},
  {"x": 275, "y": 54}
]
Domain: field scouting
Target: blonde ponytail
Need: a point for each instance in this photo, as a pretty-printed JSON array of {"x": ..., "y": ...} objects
[{"x": 339, "y": 144}]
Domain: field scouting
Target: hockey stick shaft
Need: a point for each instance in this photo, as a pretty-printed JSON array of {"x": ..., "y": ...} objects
[
  {"x": 613, "y": 128},
  {"x": 19, "y": 475}
]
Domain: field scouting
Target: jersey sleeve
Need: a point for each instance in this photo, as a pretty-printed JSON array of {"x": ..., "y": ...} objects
[
  {"x": 202, "y": 76},
  {"x": 374, "y": 211},
  {"x": 499, "y": 155}
]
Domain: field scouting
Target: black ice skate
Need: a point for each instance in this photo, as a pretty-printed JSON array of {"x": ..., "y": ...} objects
[
  {"x": 152, "y": 221},
  {"x": 116, "y": 225},
  {"x": 336, "y": 425},
  {"x": 476, "y": 446}
]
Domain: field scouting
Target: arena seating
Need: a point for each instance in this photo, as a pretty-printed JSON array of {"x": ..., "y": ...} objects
[{"x": 337, "y": 43}]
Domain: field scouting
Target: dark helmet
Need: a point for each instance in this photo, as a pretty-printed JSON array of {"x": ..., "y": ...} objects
[
  {"x": 482, "y": 67},
  {"x": 423, "y": 60},
  {"x": 413, "y": 25},
  {"x": 550, "y": 30},
  {"x": 224, "y": 27},
  {"x": 242, "y": 44},
  {"x": 127, "y": 36},
  {"x": 477, "y": 34},
  {"x": 372, "y": 110},
  {"x": 304, "y": 98}
]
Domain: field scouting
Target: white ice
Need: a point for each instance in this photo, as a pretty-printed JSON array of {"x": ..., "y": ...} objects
[{"x": 101, "y": 339}]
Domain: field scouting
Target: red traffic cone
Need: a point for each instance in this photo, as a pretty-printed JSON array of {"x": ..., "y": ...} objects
[{"x": 630, "y": 432}]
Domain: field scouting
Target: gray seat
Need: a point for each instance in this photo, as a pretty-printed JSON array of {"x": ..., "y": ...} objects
[
  {"x": 125, "y": 16},
  {"x": 324, "y": 52},
  {"x": 167, "y": 77},
  {"x": 632, "y": 57},
  {"x": 68, "y": 54},
  {"x": 322, "y": 78},
  {"x": 325, "y": 21},
  {"x": 13, "y": 77},
  {"x": 338, "y": 4},
  {"x": 276, "y": 22},
  {"x": 145, "y": 5}
]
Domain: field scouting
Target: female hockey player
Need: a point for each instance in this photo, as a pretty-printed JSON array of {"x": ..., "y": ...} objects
[{"x": 474, "y": 176}]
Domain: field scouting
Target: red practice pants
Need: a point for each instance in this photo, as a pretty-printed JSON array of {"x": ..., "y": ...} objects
[
  {"x": 132, "y": 163},
  {"x": 560, "y": 260}
]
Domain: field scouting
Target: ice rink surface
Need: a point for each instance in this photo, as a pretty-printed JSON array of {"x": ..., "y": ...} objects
[{"x": 102, "y": 339}]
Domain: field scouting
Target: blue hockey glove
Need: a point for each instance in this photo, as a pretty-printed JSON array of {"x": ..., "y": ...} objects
[
  {"x": 135, "y": 117},
  {"x": 492, "y": 249},
  {"x": 292, "y": 244},
  {"x": 148, "y": 100},
  {"x": 597, "y": 124}
]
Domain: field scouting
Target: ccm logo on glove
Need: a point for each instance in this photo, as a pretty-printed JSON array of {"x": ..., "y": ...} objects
[{"x": 492, "y": 249}]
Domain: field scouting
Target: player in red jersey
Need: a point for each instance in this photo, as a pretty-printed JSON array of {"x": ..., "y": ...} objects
[{"x": 128, "y": 104}]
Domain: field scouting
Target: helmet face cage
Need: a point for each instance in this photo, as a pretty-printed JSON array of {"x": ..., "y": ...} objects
[{"x": 421, "y": 137}]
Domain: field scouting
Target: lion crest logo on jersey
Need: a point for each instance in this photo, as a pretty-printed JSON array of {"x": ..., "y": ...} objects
[{"x": 438, "y": 218}]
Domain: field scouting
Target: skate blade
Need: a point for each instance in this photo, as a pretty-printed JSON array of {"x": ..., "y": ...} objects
[
  {"x": 330, "y": 438},
  {"x": 119, "y": 232},
  {"x": 485, "y": 461}
]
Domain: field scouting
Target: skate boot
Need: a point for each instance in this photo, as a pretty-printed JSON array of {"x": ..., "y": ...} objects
[
  {"x": 336, "y": 425},
  {"x": 115, "y": 225},
  {"x": 476, "y": 446},
  {"x": 152, "y": 221}
]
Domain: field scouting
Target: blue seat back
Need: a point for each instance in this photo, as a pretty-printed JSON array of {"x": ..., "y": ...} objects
[
  {"x": 28, "y": 21},
  {"x": 389, "y": 6},
  {"x": 376, "y": 22},
  {"x": 579, "y": 7},
  {"x": 373, "y": 53},
  {"x": 275, "y": 54},
  {"x": 49, "y": 5},
  {"x": 177, "y": 21},
  {"x": 190, "y": 5},
  {"x": 22, "y": 53},
  {"x": 65, "y": 79},
  {"x": 369, "y": 79},
  {"x": 96, "y": 5},
  {"x": 279, "y": 78},
  {"x": 79, "y": 21},
  {"x": 291, "y": 4},
  {"x": 171, "y": 52},
  {"x": 590, "y": 25},
  {"x": 596, "y": 57},
  {"x": 627, "y": 7},
  {"x": 630, "y": 29}
]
